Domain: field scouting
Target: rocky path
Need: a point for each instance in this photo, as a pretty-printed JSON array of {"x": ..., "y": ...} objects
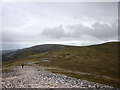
[{"x": 34, "y": 77}]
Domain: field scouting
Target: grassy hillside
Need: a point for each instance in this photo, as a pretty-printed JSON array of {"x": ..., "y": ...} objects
[
  {"x": 8, "y": 56},
  {"x": 96, "y": 59}
]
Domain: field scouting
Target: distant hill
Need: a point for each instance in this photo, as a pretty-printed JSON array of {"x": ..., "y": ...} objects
[
  {"x": 7, "y": 51},
  {"x": 15, "y": 54}
]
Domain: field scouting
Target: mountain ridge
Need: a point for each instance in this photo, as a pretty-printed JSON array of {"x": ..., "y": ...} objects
[{"x": 13, "y": 54}]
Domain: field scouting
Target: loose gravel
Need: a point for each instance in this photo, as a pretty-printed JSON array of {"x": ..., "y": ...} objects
[{"x": 32, "y": 77}]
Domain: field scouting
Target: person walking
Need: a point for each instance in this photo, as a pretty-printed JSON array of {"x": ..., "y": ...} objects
[{"x": 22, "y": 65}]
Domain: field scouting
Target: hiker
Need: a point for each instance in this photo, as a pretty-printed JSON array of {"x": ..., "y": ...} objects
[{"x": 22, "y": 65}]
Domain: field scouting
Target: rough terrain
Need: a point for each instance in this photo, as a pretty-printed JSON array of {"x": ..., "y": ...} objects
[{"x": 33, "y": 76}]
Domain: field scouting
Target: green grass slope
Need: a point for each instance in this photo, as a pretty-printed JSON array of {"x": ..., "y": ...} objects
[{"x": 99, "y": 59}]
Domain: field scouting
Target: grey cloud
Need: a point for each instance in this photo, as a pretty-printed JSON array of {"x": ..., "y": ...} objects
[
  {"x": 97, "y": 30},
  {"x": 56, "y": 32},
  {"x": 104, "y": 30}
]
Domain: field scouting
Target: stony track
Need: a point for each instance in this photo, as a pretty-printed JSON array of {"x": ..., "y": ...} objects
[{"x": 37, "y": 77}]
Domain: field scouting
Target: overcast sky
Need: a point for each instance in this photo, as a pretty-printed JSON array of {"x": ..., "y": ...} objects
[{"x": 29, "y": 24}]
